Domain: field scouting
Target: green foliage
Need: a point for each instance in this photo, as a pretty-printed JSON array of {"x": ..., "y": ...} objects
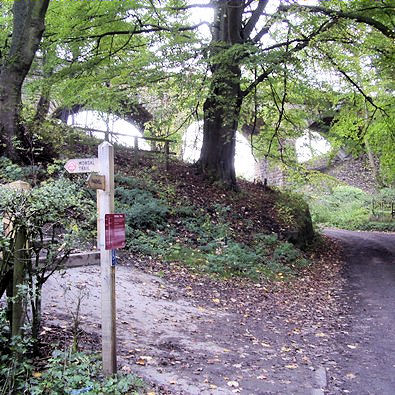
[
  {"x": 292, "y": 209},
  {"x": 386, "y": 195},
  {"x": 347, "y": 207},
  {"x": 15, "y": 362},
  {"x": 10, "y": 171},
  {"x": 65, "y": 372},
  {"x": 267, "y": 257},
  {"x": 141, "y": 208},
  {"x": 56, "y": 203},
  {"x": 350, "y": 208},
  {"x": 57, "y": 210},
  {"x": 149, "y": 243},
  {"x": 75, "y": 373}
]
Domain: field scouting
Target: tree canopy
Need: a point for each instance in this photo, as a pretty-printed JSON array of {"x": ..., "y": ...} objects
[{"x": 268, "y": 69}]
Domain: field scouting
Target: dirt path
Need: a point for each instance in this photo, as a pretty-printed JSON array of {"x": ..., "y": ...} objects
[
  {"x": 369, "y": 362},
  {"x": 183, "y": 345},
  {"x": 322, "y": 333}
]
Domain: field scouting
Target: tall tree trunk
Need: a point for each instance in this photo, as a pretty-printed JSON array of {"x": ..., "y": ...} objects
[
  {"x": 223, "y": 103},
  {"x": 221, "y": 114},
  {"x": 28, "y": 27}
]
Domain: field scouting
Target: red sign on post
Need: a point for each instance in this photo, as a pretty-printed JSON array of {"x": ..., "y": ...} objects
[{"x": 115, "y": 231}]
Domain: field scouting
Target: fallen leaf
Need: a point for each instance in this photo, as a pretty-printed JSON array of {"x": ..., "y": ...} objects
[
  {"x": 350, "y": 376},
  {"x": 216, "y": 300},
  {"x": 292, "y": 366},
  {"x": 143, "y": 360},
  {"x": 37, "y": 375},
  {"x": 321, "y": 334}
]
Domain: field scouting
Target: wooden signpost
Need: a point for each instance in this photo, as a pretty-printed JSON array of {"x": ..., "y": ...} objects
[
  {"x": 105, "y": 205},
  {"x": 104, "y": 184}
]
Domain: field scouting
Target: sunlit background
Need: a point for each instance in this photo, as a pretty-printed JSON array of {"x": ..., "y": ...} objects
[{"x": 310, "y": 144}]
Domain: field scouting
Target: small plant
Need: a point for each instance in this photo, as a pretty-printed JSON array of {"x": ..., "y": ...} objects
[
  {"x": 15, "y": 362},
  {"x": 10, "y": 171},
  {"x": 142, "y": 210},
  {"x": 77, "y": 373},
  {"x": 346, "y": 207}
]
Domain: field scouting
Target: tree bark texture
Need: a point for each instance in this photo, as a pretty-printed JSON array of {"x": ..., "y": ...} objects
[
  {"x": 223, "y": 103},
  {"x": 28, "y": 27}
]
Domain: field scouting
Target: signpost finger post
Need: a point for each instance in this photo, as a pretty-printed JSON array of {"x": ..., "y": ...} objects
[
  {"x": 110, "y": 236},
  {"x": 105, "y": 205}
]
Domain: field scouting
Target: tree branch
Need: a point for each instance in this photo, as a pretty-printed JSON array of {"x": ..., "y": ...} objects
[
  {"x": 151, "y": 29},
  {"x": 302, "y": 43},
  {"x": 189, "y": 6},
  {"x": 354, "y": 84},
  {"x": 249, "y": 27},
  {"x": 260, "y": 34},
  {"x": 341, "y": 14}
]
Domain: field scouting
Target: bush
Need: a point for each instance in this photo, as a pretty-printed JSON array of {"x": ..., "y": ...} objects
[
  {"x": 346, "y": 207},
  {"x": 77, "y": 373},
  {"x": 151, "y": 243},
  {"x": 15, "y": 362},
  {"x": 294, "y": 212},
  {"x": 57, "y": 210},
  {"x": 142, "y": 210},
  {"x": 267, "y": 257},
  {"x": 235, "y": 259}
]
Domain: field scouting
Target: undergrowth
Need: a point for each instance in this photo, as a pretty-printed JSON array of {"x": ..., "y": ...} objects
[
  {"x": 200, "y": 239},
  {"x": 65, "y": 372},
  {"x": 351, "y": 208}
]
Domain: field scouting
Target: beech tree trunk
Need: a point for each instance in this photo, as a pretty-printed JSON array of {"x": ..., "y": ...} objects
[
  {"x": 28, "y": 27},
  {"x": 220, "y": 126},
  {"x": 223, "y": 104}
]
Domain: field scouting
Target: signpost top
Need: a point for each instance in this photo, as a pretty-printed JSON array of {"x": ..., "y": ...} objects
[{"x": 82, "y": 165}]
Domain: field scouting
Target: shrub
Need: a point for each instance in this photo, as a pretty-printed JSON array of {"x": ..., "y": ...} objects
[
  {"x": 346, "y": 207},
  {"x": 15, "y": 362},
  {"x": 234, "y": 259},
  {"x": 77, "y": 373},
  {"x": 152, "y": 243},
  {"x": 141, "y": 208},
  {"x": 58, "y": 210}
]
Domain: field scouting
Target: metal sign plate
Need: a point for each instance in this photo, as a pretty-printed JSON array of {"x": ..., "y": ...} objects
[{"x": 115, "y": 231}]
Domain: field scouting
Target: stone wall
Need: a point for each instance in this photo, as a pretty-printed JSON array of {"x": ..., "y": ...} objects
[{"x": 356, "y": 172}]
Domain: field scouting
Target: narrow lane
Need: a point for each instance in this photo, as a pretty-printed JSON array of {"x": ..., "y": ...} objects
[{"x": 369, "y": 367}]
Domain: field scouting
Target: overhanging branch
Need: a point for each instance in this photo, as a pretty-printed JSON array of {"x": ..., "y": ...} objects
[
  {"x": 341, "y": 14},
  {"x": 302, "y": 43}
]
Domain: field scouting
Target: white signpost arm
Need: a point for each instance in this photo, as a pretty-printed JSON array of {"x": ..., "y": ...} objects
[{"x": 105, "y": 205}]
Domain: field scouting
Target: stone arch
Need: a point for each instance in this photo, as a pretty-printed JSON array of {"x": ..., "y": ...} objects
[{"x": 136, "y": 114}]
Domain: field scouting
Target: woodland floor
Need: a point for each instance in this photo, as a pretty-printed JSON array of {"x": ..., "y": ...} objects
[
  {"x": 326, "y": 331},
  {"x": 193, "y": 335}
]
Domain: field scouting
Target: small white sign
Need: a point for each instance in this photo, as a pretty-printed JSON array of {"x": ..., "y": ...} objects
[{"x": 85, "y": 165}]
